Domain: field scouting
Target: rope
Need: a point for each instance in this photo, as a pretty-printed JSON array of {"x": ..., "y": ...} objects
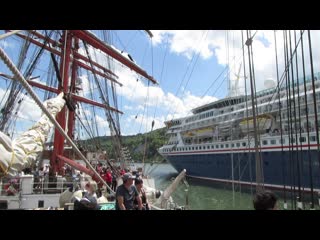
[
  {"x": 25, "y": 84},
  {"x": 307, "y": 117},
  {"x": 9, "y": 34},
  {"x": 259, "y": 177},
  {"x": 247, "y": 113},
  {"x": 281, "y": 135},
  {"x": 289, "y": 104},
  {"x": 288, "y": 112},
  {"x": 299, "y": 112},
  {"x": 203, "y": 37},
  {"x": 295, "y": 116}
]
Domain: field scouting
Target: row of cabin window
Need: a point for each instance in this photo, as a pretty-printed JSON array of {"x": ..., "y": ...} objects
[
  {"x": 264, "y": 142},
  {"x": 261, "y": 109}
]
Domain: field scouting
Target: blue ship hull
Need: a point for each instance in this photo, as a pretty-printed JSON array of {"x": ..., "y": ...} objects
[{"x": 279, "y": 168}]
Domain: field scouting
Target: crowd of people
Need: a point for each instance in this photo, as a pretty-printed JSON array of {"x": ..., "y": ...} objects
[{"x": 130, "y": 195}]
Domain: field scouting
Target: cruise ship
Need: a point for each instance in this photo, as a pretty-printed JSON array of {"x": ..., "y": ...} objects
[{"x": 217, "y": 141}]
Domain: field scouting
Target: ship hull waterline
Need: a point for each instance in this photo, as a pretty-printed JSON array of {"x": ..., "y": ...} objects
[{"x": 218, "y": 168}]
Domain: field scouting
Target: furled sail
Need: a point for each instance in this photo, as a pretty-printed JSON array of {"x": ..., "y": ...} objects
[{"x": 23, "y": 151}]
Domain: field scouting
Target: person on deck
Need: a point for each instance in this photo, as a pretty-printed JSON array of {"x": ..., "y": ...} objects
[
  {"x": 23, "y": 151},
  {"x": 91, "y": 188},
  {"x": 114, "y": 181},
  {"x": 142, "y": 193},
  {"x": 265, "y": 200},
  {"x": 108, "y": 178},
  {"x": 122, "y": 172},
  {"x": 127, "y": 193}
]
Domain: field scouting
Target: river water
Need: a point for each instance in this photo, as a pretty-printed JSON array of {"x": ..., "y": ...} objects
[{"x": 206, "y": 195}]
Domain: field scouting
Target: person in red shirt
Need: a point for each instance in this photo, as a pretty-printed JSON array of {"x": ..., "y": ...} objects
[{"x": 108, "y": 178}]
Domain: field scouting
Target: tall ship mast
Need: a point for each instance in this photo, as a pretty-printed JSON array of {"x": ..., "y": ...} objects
[{"x": 69, "y": 62}]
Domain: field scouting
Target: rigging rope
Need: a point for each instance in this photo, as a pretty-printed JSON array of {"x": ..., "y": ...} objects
[
  {"x": 301, "y": 159},
  {"x": 307, "y": 117},
  {"x": 295, "y": 120},
  {"x": 291, "y": 138},
  {"x": 185, "y": 74},
  {"x": 281, "y": 134},
  {"x": 259, "y": 177},
  {"x": 247, "y": 113},
  {"x": 26, "y": 85},
  {"x": 15, "y": 91},
  {"x": 113, "y": 129},
  {"x": 289, "y": 122}
]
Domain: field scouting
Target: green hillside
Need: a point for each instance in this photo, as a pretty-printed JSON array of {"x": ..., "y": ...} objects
[{"x": 136, "y": 143}]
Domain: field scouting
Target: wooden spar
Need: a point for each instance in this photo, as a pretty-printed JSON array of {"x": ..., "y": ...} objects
[
  {"x": 97, "y": 43},
  {"x": 82, "y": 168},
  {"x": 170, "y": 189},
  {"x": 77, "y": 57}
]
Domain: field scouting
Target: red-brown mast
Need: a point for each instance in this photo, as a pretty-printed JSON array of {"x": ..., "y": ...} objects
[{"x": 70, "y": 61}]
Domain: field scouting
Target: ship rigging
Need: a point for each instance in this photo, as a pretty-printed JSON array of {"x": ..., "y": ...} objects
[{"x": 71, "y": 53}]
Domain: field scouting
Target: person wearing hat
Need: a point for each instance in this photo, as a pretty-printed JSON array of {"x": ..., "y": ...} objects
[{"x": 127, "y": 193}]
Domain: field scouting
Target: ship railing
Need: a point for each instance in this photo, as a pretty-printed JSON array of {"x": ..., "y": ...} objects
[
  {"x": 44, "y": 186},
  {"x": 9, "y": 186},
  {"x": 286, "y": 132},
  {"x": 12, "y": 186}
]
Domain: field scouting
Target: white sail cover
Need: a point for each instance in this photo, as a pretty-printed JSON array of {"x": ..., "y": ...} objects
[{"x": 23, "y": 151}]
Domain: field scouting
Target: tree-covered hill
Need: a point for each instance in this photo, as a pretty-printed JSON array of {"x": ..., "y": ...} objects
[{"x": 136, "y": 145}]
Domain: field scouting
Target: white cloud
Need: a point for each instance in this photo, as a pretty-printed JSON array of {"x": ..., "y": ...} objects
[
  {"x": 29, "y": 109},
  {"x": 28, "y": 113},
  {"x": 144, "y": 122},
  {"x": 127, "y": 107},
  {"x": 219, "y": 42},
  {"x": 136, "y": 92},
  {"x": 185, "y": 42},
  {"x": 85, "y": 85}
]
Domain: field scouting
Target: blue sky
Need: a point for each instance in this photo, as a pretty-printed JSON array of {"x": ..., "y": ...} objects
[{"x": 185, "y": 63}]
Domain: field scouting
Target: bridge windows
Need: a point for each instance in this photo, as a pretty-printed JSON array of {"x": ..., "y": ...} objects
[{"x": 302, "y": 139}]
